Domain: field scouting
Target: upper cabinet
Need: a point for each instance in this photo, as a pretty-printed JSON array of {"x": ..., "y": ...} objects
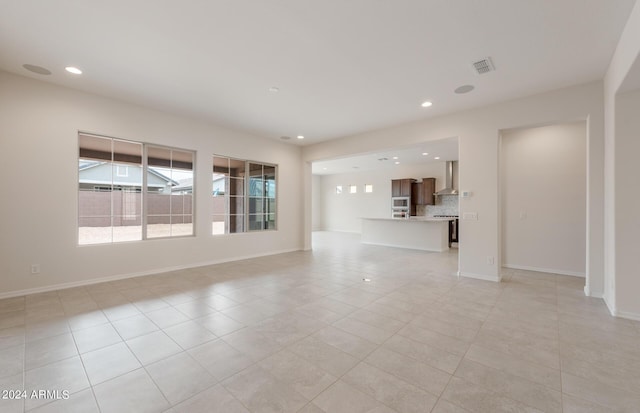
[
  {"x": 422, "y": 192},
  {"x": 429, "y": 188},
  {"x": 401, "y": 187}
]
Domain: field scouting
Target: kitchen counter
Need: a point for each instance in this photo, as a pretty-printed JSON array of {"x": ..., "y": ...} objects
[
  {"x": 427, "y": 219},
  {"x": 420, "y": 233}
]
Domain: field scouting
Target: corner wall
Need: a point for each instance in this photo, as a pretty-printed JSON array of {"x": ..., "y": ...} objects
[
  {"x": 317, "y": 199},
  {"x": 478, "y": 131},
  {"x": 619, "y": 282},
  {"x": 39, "y": 125},
  {"x": 627, "y": 205}
]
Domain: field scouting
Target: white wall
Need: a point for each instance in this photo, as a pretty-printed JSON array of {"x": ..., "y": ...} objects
[
  {"x": 543, "y": 172},
  {"x": 478, "y": 133},
  {"x": 619, "y": 284},
  {"x": 343, "y": 212},
  {"x": 39, "y": 126},
  {"x": 627, "y": 205},
  {"x": 316, "y": 207}
]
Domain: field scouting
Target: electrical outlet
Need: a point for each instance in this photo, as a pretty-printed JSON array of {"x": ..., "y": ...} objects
[
  {"x": 490, "y": 260},
  {"x": 35, "y": 268},
  {"x": 523, "y": 214}
]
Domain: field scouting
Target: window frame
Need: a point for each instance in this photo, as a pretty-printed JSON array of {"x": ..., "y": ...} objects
[
  {"x": 247, "y": 198},
  {"x": 145, "y": 191},
  {"x": 142, "y": 191}
]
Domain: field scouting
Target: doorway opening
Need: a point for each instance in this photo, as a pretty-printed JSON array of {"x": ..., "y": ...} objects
[{"x": 348, "y": 189}]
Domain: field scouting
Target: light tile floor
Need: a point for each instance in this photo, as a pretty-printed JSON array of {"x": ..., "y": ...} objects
[{"x": 302, "y": 332}]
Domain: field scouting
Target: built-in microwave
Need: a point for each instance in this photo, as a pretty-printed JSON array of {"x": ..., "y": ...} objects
[{"x": 400, "y": 202}]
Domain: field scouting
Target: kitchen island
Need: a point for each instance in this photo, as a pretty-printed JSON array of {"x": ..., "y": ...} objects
[{"x": 419, "y": 233}]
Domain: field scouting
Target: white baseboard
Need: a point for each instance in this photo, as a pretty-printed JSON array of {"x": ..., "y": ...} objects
[
  {"x": 82, "y": 283},
  {"x": 342, "y": 231},
  {"x": 589, "y": 293},
  {"x": 547, "y": 270},
  {"x": 621, "y": 314},
  {"x": 627, "y": 315},
  {"x": 611, "y": 308},
  {"x": 494, "y": 278}
]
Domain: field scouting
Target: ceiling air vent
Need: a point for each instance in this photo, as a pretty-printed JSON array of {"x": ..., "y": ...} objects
[{"x": 483, "y": 66}]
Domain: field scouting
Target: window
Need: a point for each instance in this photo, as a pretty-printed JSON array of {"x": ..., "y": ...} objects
[
  {"x": 339, "y": 189},
  {"x": 228, "y": 195},
  {"x": 353, "y": 189},
  {"x": 368, "y": 188},
  {"x": 122, "y": 198},
  {"x": 262, "y": 196},
  {"x": 244, "y": 196},
  {"x": 169, "y": 192},
  {"x": 109, "y": 205}
]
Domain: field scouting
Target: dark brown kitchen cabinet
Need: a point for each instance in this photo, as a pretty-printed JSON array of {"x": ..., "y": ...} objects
[
  {"x": 401, "y": 187},
  {"x": 422, "y": 192},
  {"x": 417, "y": 194},
  {"x": 428, "y": 189}
]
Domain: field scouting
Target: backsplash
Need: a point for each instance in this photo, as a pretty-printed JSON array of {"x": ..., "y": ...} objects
[{"x": 445, "y": 205}]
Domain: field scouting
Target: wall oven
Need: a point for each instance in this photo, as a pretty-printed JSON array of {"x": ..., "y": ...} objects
[
  {"x": 400, "y": 207},
  {"x": 396, "y": 213}
]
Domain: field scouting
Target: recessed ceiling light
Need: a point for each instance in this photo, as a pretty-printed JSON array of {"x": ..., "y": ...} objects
[
  {"x": 395, "y": 157},
  {"x": 426, "y": 104},
  {"x": 74, "y": 70},
  {"x": 397, "y": 163},
  {"x": 36, "y": 69},
  {"x": 425, "y": 153},
  {"x": 324, "y": 169},
  {"x": 300, "y": 137},
  {"x": 366, "y": 280},
  {"x": 464, "y": 89},
  {"x": 274, "y": 89},
  {"x": 437, "y": 157}
]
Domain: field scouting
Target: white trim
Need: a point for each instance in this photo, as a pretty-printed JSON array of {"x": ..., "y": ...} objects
[
  {"x": 621, "y": 314},
  {"x": 547, "y": 270},
  {"x": 630, "y": 316},
  {"x": 62, "y": 286},
  {"x": 341, "y": 230},
  {"x": 494, "y": 278},
  {"x": 589, "y": 293},
  {"x": 612, "y": 309}
]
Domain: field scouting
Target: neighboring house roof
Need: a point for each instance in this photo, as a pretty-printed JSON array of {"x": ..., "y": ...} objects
[
  {"x": 105, "y": 177},
  {"x": 183, "y": 185}
]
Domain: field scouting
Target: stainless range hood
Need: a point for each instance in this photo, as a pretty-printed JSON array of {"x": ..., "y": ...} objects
[{"x": 448, "y": 189}]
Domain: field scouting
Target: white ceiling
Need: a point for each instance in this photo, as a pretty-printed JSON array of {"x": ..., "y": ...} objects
[{"x": 342, "y": 67}]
